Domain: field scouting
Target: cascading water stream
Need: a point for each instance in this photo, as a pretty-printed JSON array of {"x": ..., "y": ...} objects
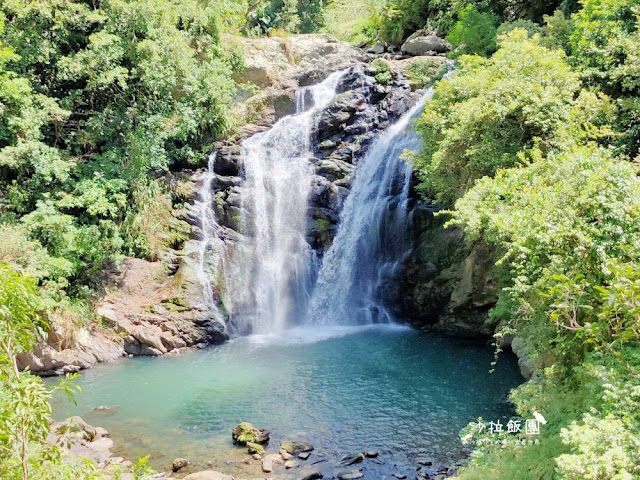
[
  {"x": 373, "y": 233},
  {"x": 269, "y": 277},
  {"x": 211, "y": 245},
  {"x": 271, "y": 274}
]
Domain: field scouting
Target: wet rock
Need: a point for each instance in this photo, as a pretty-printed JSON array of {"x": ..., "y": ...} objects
[
  {"x": 295, "y": 447},
  {"x": 291, "y": 464},
  {"x": 267, "y": 464},
  {"x": 178, "y": 464},
  {"x": 245, "y": 432},
  {"x": 378, "y": 49},
  {"x": 371, "y": 454},
  {"x": 254, "y": 448},
  {"x": 312, "y": 476},
  {"x": 400, "y": 476},
  {"x": 285, "y": 455},
  {"x": 304, "y": 455},
  {"x": 350, "y": 475},
  {"x": 107, "y": 409},
  {"x": 352, "y": 459}
]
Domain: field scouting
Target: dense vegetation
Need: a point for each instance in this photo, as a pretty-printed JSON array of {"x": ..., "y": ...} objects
[
  {"x": 98, "y": 101},
  {"x": 532, "y": 146},
  {"x": 534, "y": 150}
]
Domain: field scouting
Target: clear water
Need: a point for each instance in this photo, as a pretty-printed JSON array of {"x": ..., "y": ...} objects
[{"x": 343, "y": 388}]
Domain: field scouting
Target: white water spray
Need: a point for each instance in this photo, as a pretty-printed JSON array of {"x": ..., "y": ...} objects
[{"x": 373, "y": 233}]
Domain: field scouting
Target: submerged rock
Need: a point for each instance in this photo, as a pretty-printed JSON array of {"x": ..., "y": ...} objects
[
  {"x": 208, "y": 475},
  {"x": 179, "y": 463},
  {"x": 350, "y": 475},
  {"x": 295, "y": 447},
  {"x": 352, "y": 459},
  {"x": 312, "y": 476},
  {"x": 245, "y": 433}
]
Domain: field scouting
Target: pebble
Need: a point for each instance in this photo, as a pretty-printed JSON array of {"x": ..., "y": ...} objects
[
  {"x": 371, "y": 454},
  {"x": 291, "y": 464},
  {"x": 267, "y": 464},
  {"x": 285, "y": 455},
  {"x": 400, "y": 476},
  {"x": 350, "y": 475},
  {"x": 312, "y": 476}
]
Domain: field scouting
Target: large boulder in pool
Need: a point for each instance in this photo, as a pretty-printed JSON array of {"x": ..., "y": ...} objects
[{"x": 245, "y": 432}]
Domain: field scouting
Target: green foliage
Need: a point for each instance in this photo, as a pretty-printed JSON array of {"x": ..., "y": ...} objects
[
  {"x": 474, "y": 32},
  {"x": 97, "y": 101},
  {"x": 425, "y": 72},
  {"x": 351, "y": 21},
  {"x": 289, "y": 15},
  {"x": 384, "y": 72},
  {"x": 24, "y": 399},
  {"x": 395, "y": 20},
  {"x": 605, "y": 44},
  {"x": 489, "y": 111}
]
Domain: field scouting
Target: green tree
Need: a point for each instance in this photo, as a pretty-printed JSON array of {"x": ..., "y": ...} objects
[
  {"x": 474, "y": 32},
  {"x": 490, "y": 110}
]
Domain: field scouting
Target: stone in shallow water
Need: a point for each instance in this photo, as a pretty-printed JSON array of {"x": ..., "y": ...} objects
[
  {"x": 179, "y": 463},
  {"x": 267, "y": 464},
  {"x": 352, "y": 459},
  {"x": 294, "y": 447},
  {"x": 400, "y": 476},
  {"x": 208, "y": 475},
  {"x": 312, "y": 476},
  {"x": 303, "y": 455},
  {"x": 371, "y": 454},
  {"x": 254, "y": 448},
  {"x": 245, "y": 432},
  {"x": 291, "y": 464},
  {"x": 285, "y": 455},
  {"x": 350, "y": 475}
]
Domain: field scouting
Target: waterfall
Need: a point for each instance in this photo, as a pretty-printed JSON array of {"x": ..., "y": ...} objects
[
  {"x": 273, "y": 266},
  {"x": 373, "y": 233},
  {"x": 266, "y": 273},
  {"x": 211, "y": 247}
]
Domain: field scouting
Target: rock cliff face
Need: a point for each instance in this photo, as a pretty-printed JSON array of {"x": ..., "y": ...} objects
[
  {"x": 342, "y": 134},
  {"x": 447, "y": 284},
  {"x": 149, "y": 311}
]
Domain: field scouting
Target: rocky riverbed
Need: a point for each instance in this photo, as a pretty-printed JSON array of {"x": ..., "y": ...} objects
[{"x": 291, "y": 459}]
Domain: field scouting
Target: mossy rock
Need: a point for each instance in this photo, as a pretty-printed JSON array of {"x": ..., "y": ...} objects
[
  {"x": 255, "y": 448},
  {"x": 245, "y": 433}
]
